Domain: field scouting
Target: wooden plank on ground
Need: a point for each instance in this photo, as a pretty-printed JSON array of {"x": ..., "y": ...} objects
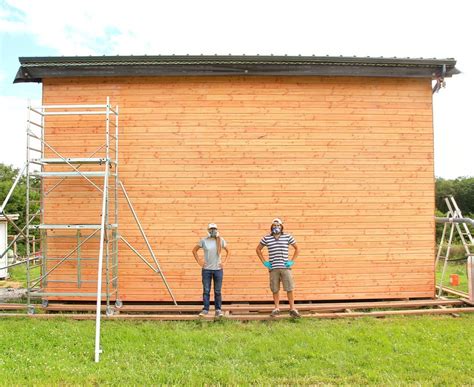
[
  {"x": 454, "y": 292},
  {"x": 240, "y": 308},
  {"x": 184, "y": 317},
  {"x": 13, "y": 306}
]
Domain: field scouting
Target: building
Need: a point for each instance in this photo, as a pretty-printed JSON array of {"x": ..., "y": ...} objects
[
  {"x": 339, "y": 148},
  {"x": 4, "y": 259}
]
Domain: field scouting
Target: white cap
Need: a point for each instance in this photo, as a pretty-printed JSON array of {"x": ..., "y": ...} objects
[
  {"x": 211, "y": 225},
  {"x": 276, "y": 220}
]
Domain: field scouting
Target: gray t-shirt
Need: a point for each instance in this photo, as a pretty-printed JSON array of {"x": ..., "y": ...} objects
[{"x": 212, "y": 261}]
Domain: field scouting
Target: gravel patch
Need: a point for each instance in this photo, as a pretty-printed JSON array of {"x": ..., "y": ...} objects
[{"x": 9, "y": 294}]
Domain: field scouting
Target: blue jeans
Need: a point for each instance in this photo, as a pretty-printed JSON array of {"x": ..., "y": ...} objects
[{"x": 207, "y": 277}]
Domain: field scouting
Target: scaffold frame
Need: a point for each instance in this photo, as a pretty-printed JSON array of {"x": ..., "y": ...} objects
[
  {"x": 38, "y": 152},
  {"x": 40, "y": 168}
]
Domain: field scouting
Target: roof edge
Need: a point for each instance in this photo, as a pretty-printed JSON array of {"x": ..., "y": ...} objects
[{"x": 34, "y": 69}]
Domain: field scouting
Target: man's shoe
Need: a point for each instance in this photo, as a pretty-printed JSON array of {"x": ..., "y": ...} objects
[
  {"x": 204, "y": 313},
  {"x": 295, "y": 313},
  {"x": 219, "y": 313},
  {"x": 275, "y": 312}
]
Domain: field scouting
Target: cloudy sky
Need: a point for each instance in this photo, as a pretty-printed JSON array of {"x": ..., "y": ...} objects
[{"x": 363, "y": 28}]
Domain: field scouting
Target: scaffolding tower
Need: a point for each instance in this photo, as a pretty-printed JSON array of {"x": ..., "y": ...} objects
[
  {"x": 47, "y": 169},
  {"x": 85, "y": 246}
]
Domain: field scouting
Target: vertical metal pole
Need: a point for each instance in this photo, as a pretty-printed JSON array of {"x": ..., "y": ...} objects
[
  {"x": 470, "y": 277},
  {"x": 107, "y": 230},
  {"x": 44, "y": 266},
  {"x": 15, "y": 249},
  {"x": 116, "y": 203},
  {"x": 43, "y": 233},
  {"x": 27, "y": 231},
  {"x": 79, "y": 265},
  {"x": 99, "y": 269}
]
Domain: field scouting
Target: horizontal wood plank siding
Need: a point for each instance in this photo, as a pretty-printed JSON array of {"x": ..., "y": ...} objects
[{"x": 347, "y": 163}]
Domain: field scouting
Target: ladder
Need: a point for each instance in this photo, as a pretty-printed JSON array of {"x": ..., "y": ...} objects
[{"x": 454, "y": 221}]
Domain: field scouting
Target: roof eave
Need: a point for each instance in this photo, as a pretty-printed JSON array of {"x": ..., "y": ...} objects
[{"x": 36, "y": 69}]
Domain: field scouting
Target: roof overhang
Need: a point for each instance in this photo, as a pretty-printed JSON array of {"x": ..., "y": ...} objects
[{"x": 35, "y": 69}]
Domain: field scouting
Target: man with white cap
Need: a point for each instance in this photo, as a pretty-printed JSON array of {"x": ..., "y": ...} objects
[
  {"x": 279, "y": 266},
  {"x": 212, "y": 267}
]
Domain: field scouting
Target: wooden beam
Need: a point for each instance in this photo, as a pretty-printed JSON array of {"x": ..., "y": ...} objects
[
  {"x": 454, "y": 292},
  {"x": 264, "y": 308},
  {"x": 445, "y": 307},
  {"x": 13, "y": 306},
  {"x": 395, "y": 313},
  {"x": 181, "y": 317}
]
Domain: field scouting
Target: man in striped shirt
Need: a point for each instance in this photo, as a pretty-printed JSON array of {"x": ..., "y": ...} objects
[{"x": 277, "y": 243}]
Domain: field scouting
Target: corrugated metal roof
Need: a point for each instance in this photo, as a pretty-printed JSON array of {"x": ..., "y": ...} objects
[{"x": 34, "y": 69}]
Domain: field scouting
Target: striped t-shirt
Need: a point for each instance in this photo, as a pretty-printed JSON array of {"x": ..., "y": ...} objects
[{"x": 278, "y": 249}]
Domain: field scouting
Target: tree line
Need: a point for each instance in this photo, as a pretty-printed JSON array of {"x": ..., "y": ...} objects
[{"x": 462, "y": 189}]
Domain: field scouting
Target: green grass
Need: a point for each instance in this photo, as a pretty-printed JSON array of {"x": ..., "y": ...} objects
[
  {"x": 459, "y": 268},
  {"x": 427, "y": 350},
  {"x": 18, "y": 274}
]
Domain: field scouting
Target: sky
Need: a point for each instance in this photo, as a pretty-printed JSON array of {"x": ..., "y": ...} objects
[{"x": 362, "y": 28}]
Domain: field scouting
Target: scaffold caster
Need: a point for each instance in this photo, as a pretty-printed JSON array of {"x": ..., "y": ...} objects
[
  {"x": 109, "y": 311},
  {"x": 31, "y": 309},
  {"x": 118, "y": 304},
  {"x": 44, "y": 303}
]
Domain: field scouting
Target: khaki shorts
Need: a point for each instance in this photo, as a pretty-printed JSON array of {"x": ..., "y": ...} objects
[{"x": 284, "y": 276}]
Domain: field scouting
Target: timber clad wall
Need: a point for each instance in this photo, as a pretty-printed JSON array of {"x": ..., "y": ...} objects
[{"x": 347, "y": 163}]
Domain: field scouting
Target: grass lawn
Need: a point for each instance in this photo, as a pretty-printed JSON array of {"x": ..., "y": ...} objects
[
  {"x": 18, "y": 274},
  {"x": 453, "y": 268},
  {"x": 427, "y": 350}
]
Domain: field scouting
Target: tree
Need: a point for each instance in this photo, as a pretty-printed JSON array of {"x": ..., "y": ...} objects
[
  {"x": 464, "y": 194},
  {"x": 461, "y": 188},
  {"x": 17, "y": 202},
  {"x": 443, "y": 188}
]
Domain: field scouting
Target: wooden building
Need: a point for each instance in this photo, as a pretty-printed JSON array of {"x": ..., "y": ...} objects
[{"x": 339, "y": 148}]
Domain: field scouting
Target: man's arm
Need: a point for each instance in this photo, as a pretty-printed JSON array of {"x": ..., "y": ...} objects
[
  {"x": 196, "y": 257},
  {"x": 296, "y": 252},
  {"x": 259, "y": 252}
]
